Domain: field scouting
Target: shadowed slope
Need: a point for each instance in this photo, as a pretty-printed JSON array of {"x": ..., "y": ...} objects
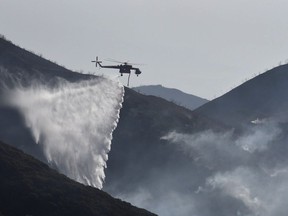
[
  {"x": 29, "y": 187},
  {"x": 139, "y": 153},
  {"x": 264, "y": 96}
]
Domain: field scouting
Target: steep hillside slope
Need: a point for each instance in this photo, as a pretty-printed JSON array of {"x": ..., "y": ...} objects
[
  {"x": 144, "y": 120},
  {"x": 262, "y": 97},
  {"x": 174, "y": 95},
  {"x": 29, "y": 187},
  {"x": 144, "y": 168}
]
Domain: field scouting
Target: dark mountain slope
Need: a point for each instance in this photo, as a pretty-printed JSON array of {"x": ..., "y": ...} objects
[
  {"x": 138, "y": 153},
  {"x": 29, "y": 187},
  {"x": 18, "y": 60},
  {"x": 174, "y": 95},
  {"x": 262, "y": 97}
]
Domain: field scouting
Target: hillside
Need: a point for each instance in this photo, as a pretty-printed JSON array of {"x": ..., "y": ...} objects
[
  {"x": 262, "y": 97},
  {"x": 203, "y": 169},
  {"x": 145, "y": 169},
  {"x": 174, "y": 95},
  {"x": 29, "y": 187}
]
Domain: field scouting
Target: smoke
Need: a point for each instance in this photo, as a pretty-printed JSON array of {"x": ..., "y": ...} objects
[
  {"x": 245, "y": 171},
  {"x": 221, "y": 174},
  {"x": 238, "y": 184},
  {"x": 73, "y": 123}
]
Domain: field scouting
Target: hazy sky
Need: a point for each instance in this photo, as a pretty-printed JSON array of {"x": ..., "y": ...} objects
[{"x": 203, "y": 47}]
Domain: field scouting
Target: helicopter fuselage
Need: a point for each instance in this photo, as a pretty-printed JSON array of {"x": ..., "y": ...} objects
[{"x": 123, "y": 68}]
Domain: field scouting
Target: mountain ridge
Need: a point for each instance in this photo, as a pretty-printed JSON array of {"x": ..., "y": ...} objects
[
  {"x": 171, "y": 94},
  {"x": 262, "y": 97}
]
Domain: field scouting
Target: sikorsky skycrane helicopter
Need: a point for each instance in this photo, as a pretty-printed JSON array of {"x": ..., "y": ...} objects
[{"x": 124, "y": 67}]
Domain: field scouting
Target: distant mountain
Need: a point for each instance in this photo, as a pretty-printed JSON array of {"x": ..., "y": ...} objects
[
  {"x": 263, "y": 97},
  {"x": 29, "y": 187},
  {"x": 174, "y": 95}
]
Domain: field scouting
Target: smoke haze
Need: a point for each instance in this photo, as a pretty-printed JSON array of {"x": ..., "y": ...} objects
[{"x": 229, "y": 174}]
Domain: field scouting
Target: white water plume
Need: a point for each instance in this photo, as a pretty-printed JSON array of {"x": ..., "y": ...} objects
[{"x": 73, "y": 123}]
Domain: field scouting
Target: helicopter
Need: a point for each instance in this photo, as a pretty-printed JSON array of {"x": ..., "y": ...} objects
[{"x": 124, "y": 67}]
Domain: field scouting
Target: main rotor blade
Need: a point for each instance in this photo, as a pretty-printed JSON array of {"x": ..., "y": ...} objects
[
  {"x": 113, "y": 60},
  {"x": 123, "y": 62},
  {"x": 137, "y": 64}
]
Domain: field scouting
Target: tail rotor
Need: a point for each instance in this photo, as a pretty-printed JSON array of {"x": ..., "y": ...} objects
[{"x": 97, "y": 62}]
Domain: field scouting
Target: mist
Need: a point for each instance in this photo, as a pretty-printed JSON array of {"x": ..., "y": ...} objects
[
  {"x": 224, "y": 173},
  {"x": 71, "y": 122}
]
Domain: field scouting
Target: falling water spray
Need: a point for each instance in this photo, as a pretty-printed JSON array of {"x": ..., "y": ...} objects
[{"x": 73, "y": 123}]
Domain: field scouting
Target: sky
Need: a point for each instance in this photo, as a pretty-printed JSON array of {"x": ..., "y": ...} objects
[{"x": 202, "y": 47}]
